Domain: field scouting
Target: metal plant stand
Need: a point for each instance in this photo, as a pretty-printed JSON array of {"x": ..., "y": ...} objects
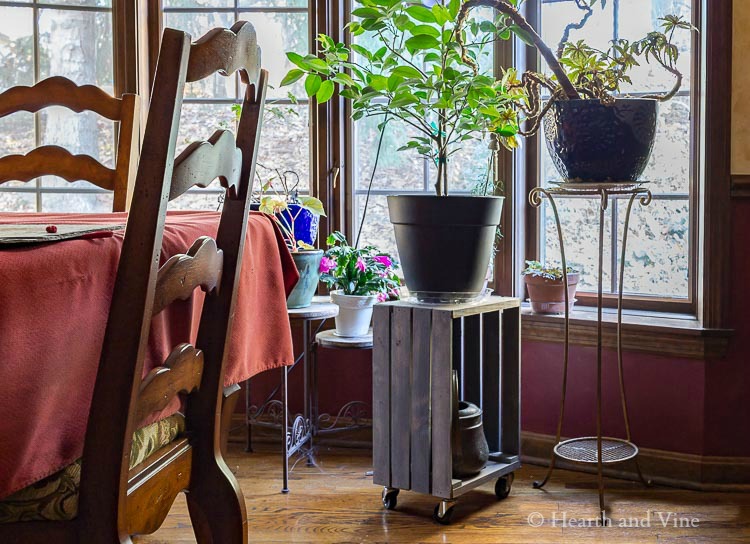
[
  {"x": 597, "y": 449},
  {"x": 274, "y": 413}
]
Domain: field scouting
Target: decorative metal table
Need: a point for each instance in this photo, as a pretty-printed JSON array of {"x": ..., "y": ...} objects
[
  {"x": 596, "y": 449},
  {"x": 274, "y": 413}
]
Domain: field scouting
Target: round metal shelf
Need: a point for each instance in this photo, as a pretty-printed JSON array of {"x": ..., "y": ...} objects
[{"x": 584, "y": 450}]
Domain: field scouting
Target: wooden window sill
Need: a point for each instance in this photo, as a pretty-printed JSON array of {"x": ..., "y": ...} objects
[{"x": 670, "y": 335}]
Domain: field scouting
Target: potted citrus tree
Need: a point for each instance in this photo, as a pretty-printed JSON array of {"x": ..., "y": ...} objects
[
  {"x": 359, "y": 278},
  {"x": 415, "y": 74}
]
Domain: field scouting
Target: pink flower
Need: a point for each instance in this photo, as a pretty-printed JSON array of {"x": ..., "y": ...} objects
[
  {"x": 360, "y": 264},
  {"x": 327, "y": 264},
  {"x": 382, "y": 297},
  {"x": 385, "y": 260}
]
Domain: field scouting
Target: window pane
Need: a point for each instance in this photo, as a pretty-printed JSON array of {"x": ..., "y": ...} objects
[
  {"x": 17, "y": 47},
  {"x": 198, "y": 3},
  {"x": 669, "y": 167},
  {"x": 396, "y": 169},
  {"x": 77, "y": 45},
  {"x": 17, "y": 133},
  {"x": 469, "y": 167},
  {"x": 197, "y": 24},
  {"x": 285, "y": 142},
  {"x": 199, "y": 121},
  {"x": 277, "y": 34},
  {"x": 273, "y": 3},
  {"x": 556, "y": 14},
  {"x": 80, "y": 133},
  {"x": 658, "y": 248},
  {"x": 72, "y": 202},
  {"x": 579, "y": 219},
  {"x": 92, "y": 3},
  {"x": 197, "y": 200},
  {"x": 17, "y": 202},
  {"x": 377, "y": 230}
]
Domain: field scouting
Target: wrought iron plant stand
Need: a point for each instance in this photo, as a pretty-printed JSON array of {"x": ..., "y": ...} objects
[{"x": 597, "y": 449}]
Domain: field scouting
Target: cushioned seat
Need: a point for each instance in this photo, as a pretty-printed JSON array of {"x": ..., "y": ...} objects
[{"x": 55, "y": 498}]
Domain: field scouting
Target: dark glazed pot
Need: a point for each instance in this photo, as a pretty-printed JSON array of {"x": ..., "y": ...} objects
[
  {"x": 591, "y": 142},
  {"x": 469, "y": 445},
  {"x": 444, "y": 243},
  {"x": 308, "y": 266}
]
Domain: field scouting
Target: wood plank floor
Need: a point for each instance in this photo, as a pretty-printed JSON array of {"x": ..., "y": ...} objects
[{"x": 336, "y": 501}]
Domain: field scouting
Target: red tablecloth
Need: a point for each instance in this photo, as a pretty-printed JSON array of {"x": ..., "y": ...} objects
[{"x": 54, "y": 302}]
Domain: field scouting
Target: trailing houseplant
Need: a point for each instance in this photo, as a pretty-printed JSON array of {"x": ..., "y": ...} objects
[
  {"x": 546, "y": 287},
  {"x": 297, "y": 216},
  {"x": 358, "y": 277},
  {"x": 415, "y": 74},
  {"x": 591, "y": 135}
]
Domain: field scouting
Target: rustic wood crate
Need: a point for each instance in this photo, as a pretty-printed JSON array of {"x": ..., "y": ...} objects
[{"x": 416, "y": 346}]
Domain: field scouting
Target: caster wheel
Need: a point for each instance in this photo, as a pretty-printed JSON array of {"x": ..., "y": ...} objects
[
  {"x": 445, "y": 519},
  {"x": 390, "y": 498},
  {"x": 503, "y": 485}
]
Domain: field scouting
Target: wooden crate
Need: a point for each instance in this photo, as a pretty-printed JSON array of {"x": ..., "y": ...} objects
[{"x": 416, "y": 347}]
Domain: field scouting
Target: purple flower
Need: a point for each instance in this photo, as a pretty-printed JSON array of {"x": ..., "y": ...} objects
[
  {"x": 327, "y": 264},
  {"x": 382, "y": 297},
  {"x": 360, "y": 264},
  {"x": 385, "y": 260}
]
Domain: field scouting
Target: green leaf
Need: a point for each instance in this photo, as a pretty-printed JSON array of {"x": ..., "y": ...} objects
[
  {"x": 366, "y": 13},
  {"x": 415, "y": 43},
  {"x": 361, "y": 50},
  {"x": 453, "y": 8},
  {"x": 325, "y": 92},
  {"x": 522, "y": 34},
  {"x": 421, "y": 13},
  {"x": 292, "y": 76},
  {"x": 408, "y": 72},
  {"x": 312, "y": 84},
  {"x": 343, "y": 79},
  {"x": 298, "y": 59},
  {"x": 394, "y": 81},
  {"x": 312, "y": 204},
  {"x": 403, "y": 99},
  {"x": 441, "y": 14},
  {"x": 378, "y": 82},
  {"x": 425, "y": 29},
  {"x": 317, "y": 64}
]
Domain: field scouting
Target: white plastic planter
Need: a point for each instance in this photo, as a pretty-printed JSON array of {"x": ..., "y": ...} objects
[{"x": 355, "y": 313}]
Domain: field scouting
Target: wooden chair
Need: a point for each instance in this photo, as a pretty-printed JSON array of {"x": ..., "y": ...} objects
[
  {"x": 54, "y": 160},
  {"x": 115, "y": 500}
]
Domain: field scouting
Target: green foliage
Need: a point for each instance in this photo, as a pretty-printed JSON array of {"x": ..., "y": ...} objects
[
  {"x": 359, "y": 272},
  {"x": 415, "y": 73},
  {"x": 539, "y": 270}
]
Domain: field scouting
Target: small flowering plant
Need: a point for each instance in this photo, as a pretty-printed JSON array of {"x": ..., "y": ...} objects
[
  {"x": 539, "y": 270},
  {"x": 359, "y": 272}
]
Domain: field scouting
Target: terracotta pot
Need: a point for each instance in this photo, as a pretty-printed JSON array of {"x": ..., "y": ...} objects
[{"x": 548, "y": 296}]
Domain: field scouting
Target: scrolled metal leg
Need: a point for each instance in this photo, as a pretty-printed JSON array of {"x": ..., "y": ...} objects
[
  {"x": 535, "y": 199},
  {"x": 285, "y": 430},
  {"x": 644, "y": 199},
  {"x": 599, "y": 461},
  {"x": 248, "y": 424}
]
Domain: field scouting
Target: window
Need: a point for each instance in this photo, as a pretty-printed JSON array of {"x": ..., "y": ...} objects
[
  {"x": 661, "y": 248},
  {"x": 282, "y": 25},
  {"x": 403, "y": 172},
  {"x": 38, "y": 39}
]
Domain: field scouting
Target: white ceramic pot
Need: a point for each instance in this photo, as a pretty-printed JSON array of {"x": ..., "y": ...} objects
[{"x": 355, "y": 313}]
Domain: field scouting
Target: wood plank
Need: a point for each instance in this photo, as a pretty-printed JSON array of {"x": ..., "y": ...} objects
[
  {"x": 401, "y": 352},
  {"x": 442, "y": 348},
  {"x": 510, "y": 368},
  {"x": 472, "y": 357},
  {"x": 381, "y": 397},
  {"x": 202, "y": 162},
  {"x": 489, "y": 304},
  {"x": 421, "y": 438},
  {"x": 492, "y": 405}
]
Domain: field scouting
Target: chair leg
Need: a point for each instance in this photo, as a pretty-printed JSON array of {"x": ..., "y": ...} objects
[{"x": 217, "y": 507}]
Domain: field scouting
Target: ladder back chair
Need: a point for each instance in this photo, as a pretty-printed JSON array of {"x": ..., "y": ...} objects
[
  {"x": 116, "y": 498},
  {"x": 53, "y": 160}
]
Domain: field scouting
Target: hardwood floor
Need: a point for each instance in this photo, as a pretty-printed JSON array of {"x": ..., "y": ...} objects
[{"x": 336, "y": 502}]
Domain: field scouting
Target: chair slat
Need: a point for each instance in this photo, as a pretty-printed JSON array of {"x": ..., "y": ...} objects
[
  {"x": 54, "y": 160},
  {"x": 181, "y": 274},
  {"x": 202, "y": 162},
  {"x": 181, "y": 373},
  {"x": 60, "y": 91},
  {"x": 226, "y": 50}
]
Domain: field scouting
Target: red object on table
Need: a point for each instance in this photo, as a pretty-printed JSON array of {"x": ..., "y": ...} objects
[{"x": 54, "y": 303}]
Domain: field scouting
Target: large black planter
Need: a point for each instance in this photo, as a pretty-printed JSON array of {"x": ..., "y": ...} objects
[
  {"x": 445, "y": 243},
  {"x": 591, "y": 142}
]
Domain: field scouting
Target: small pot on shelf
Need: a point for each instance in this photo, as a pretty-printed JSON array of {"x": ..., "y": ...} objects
[
  {"x": 548, "y": 295},
  {"x": 355, "y": 313}
]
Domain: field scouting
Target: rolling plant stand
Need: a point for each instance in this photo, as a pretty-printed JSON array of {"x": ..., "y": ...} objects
[
  {"x": 416, "y": 348},
  {"x": 597, "y": 449}
]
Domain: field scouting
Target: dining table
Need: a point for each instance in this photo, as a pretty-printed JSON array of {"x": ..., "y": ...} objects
[{"x": 54, "y": 304}]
